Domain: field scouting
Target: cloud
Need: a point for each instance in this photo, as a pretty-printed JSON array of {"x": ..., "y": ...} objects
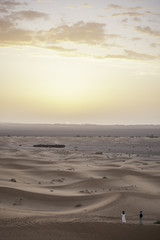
[
  {"x": 119, "y": 11},
  {"x": 43, "y": 1},
  {"x": 152, "y": 13},
  {"x": 136, "y": 39},
  {"x": 136, "y": 19},
  {"x": 101, "y": 16},
  {"x": 148, "y": 31},
  {"x": 113, "y": 36},
  {"x": 128, "y": 14},
  {"x": 3, "y": 10},
  {"x": 113, "y": 6},
  {"x": 125, "y": 20},
  {"x": 118, "y": 7},
  {"x": 5, "y": 24},
  {"x": 154, "y": 45},
  {"x": 71, "y": 6},
  {"x": 138, "y": 56},
  {"x": 131, "y": 12},
  {"x": 135, "y": 8},
  {"x": 85, "y": 5},
  {"x": 6, "y": 6},
  {"x": 28, "y": 15},
  {"x": 82, "y": 33},
  {"x": 60, "y": 49},
  {"x": 10, "y": 4},
  {"x": 91, "y": 33},
  {"x": 66, "y": 52},
  {"x": 130, "y": 55},
  {"x": 10, "y": 35}
]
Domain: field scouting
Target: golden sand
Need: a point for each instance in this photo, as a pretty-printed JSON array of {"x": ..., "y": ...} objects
[{"x": 79, "y": 192}]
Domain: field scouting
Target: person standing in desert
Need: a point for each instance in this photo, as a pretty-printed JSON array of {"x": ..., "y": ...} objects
[
  {"x": 123, "y": 217},
  {"x": 140, "y": 217}
]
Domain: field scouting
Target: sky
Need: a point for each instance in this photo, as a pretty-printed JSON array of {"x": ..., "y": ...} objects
[{"x": 86, "y": 61}]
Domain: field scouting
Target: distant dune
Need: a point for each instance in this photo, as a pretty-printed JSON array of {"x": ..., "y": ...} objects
[{"x": 13, "y": 129}]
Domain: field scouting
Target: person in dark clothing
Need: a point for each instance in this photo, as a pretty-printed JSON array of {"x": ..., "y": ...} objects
[{"x": 140, "y": 217}]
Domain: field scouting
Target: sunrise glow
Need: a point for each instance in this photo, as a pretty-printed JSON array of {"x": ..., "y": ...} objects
[{"x": 80, "y": 62}]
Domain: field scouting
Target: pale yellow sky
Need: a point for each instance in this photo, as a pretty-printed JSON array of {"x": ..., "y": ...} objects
[{"x": 89, "y": 62}]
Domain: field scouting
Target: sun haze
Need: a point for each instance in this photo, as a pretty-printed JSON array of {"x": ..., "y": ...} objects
[{"x": 80, "y": 62}]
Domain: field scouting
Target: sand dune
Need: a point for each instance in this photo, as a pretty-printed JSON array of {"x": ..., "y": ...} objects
[{"x": 65, "y": 192}]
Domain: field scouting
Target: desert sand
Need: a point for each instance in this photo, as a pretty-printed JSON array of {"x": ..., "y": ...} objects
[{"x": 79, "y": 191}]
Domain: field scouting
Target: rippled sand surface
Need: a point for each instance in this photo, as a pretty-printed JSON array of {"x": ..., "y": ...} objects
[{"x": 64, "y": 192}]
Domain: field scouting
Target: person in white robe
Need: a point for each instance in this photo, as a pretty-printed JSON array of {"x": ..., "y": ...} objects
[{"x": 123, "y": 217}]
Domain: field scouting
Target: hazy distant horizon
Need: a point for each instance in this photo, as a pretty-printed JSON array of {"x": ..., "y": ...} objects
[
  {"x": 76, "y": 130},
  {"x": 92, "y": 124}
]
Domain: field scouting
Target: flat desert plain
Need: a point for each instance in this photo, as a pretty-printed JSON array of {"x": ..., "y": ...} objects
[{"x": 79, "y": 191}]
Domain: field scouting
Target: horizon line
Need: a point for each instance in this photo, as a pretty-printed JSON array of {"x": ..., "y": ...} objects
[{"x": 83, "y": 124}]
